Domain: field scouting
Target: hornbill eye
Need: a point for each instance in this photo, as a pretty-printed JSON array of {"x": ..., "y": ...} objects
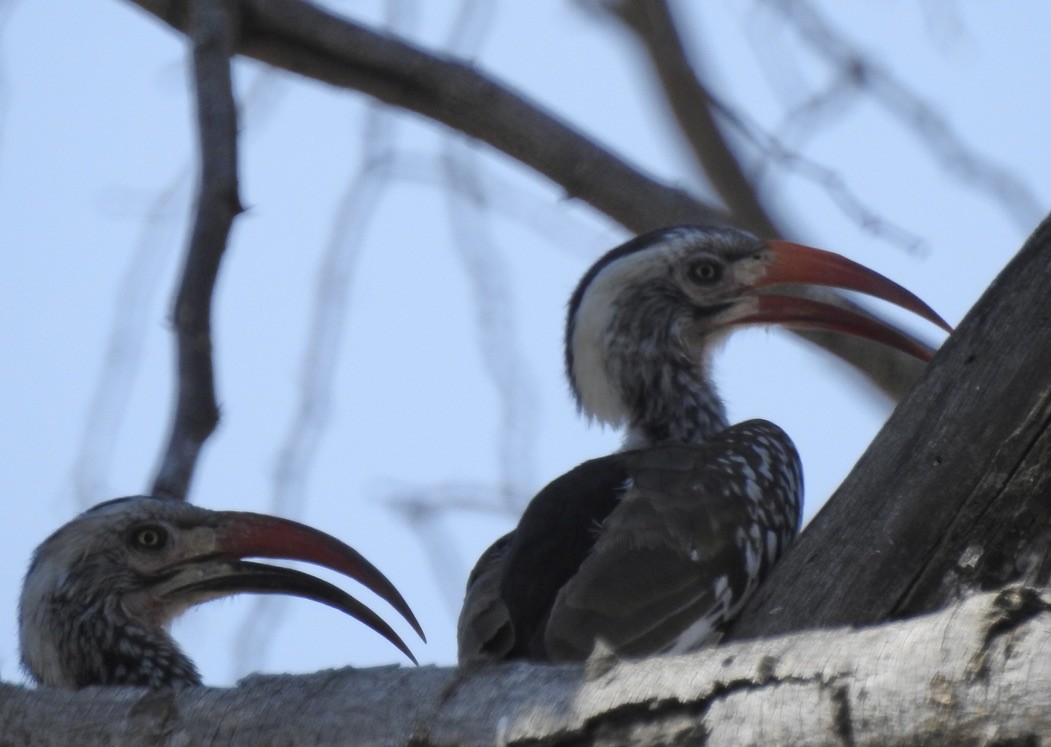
[
  {"x": 149, "y": 537},
  {"x": 705, "y": 271}
]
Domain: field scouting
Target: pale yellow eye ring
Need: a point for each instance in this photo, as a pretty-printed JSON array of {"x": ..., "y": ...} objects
[
  {"x": 149, "y": 538},
  {"x": 705, "y": 271}
]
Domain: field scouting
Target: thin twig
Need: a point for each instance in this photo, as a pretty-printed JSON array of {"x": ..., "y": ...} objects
[
  {"x": 927, "y": 124},
  {"x": 563, "y": 230},
  {"x": 6, "y": 8},
  {"x": 127, "y": 336},
  {"x": 890, "y": 372},
  {"x": 829, "y": 180},
  {"x": 652, "y": 24},
  {"x": 424, "y": 509},
  {"x": 212, "y": 28},
  {"x": 335, "y": 278},
  {"x": 499, "y": 339},
  {"x": 300, "y": 444}
]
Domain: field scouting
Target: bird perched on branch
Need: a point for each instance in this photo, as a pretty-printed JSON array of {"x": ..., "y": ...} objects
[
  {"x": 655, "y": 548},
  {"x": 102, "y": 591}
]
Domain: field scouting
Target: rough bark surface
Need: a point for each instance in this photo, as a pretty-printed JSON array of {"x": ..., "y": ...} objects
[
  {"x": 954, "y": 494},
  {"x": 976, "y": 673}
]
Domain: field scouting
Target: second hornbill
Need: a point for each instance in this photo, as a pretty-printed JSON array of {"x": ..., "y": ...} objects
[
  {"x": 102, "y": 591},
  {"x": 657, "y": 547}
]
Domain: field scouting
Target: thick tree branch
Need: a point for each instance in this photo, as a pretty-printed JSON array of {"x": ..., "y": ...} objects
[
  {"x": 302, "y": 38},
  {"x": 977, "y": 673},
  {"x": 952, "y": 495},
  {"x": 212, "y": 28}
]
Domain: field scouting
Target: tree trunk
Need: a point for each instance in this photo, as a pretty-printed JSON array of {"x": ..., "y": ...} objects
[
  {"x": 976, "y": 673},
  {"x": 954, "y": 494}
]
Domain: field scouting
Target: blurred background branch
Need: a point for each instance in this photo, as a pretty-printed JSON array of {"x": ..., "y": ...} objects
[{"x": 212, "y": 28}]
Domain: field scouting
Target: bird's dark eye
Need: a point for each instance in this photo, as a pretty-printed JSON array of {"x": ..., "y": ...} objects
[
  {"x": 151, "y": 537},
  {"x": 705, "y": 271}
]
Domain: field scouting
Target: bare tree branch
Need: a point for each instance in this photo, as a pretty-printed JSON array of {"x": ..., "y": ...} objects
[
  {"x": 113, "y": 385},
  {"x": 974, "y": 674},
  {"x": 334, "y": 280},
  {"x": 695, "y": 110},
  {"x": 833, "y": 183},
  {"x": 653, "y": 26},
  {"x": 938, "y": 136},
  {"x": 300, "y": 37},
  {"x": 6, "y": 9},
  {"x": 212, "y": 27},
  {"x": 128, "y": 331},
  {"x": 563, "y": 230},
  {"x": 499, "y": 339}
]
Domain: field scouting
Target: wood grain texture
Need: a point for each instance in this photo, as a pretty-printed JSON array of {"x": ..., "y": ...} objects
[
  {"x": 977, "y": 673},
  {"x": 953, "y": 494}
]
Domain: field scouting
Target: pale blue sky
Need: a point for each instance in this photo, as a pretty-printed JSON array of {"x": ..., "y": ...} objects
[{"x": 97, "y": 123}]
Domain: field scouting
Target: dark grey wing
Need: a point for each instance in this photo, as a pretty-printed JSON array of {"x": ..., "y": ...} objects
[
  {"x": 484, "y": 631},
  {"x": 514, "y": 583},
  {"x": 695, "y": 532}
]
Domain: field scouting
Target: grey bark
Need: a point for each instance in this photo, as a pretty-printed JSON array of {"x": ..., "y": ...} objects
[{"x": 976, "y": 673}]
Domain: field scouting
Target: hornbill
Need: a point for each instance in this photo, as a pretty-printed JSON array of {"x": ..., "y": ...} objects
[
  {"x": 656, "y": 548},
  {"x": 101, "y": 592}
]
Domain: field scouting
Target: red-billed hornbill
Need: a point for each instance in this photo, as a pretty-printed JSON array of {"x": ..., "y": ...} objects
[
  {"x": 655, "y": 548},
  {"x": 102, "y": 591}
]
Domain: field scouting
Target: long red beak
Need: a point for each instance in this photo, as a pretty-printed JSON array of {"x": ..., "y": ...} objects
[
  {"x": 795, "y": 264},
  {"x": 244, "y": 535}
]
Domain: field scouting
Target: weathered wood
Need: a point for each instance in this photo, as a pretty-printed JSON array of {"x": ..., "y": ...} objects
[
  {"x": 975, "y": 673},
  {"x": 954, "y": 493}
]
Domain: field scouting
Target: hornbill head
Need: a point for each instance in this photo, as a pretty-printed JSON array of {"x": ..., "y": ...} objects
[
  {"x": 102, "y": 591},
  {"x": 644, "y": 315}
]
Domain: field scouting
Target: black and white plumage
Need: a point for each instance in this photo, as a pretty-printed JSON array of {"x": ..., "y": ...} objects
[
  {"x": 102, "y": 591},
  {"x": 656, "y": 548}
]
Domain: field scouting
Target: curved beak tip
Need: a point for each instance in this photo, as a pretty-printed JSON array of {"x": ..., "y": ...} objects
[
  {"x": 796, "y": 264},
  {"x": 259, "y": 535},
  {"x": 804, "y": 265}
]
